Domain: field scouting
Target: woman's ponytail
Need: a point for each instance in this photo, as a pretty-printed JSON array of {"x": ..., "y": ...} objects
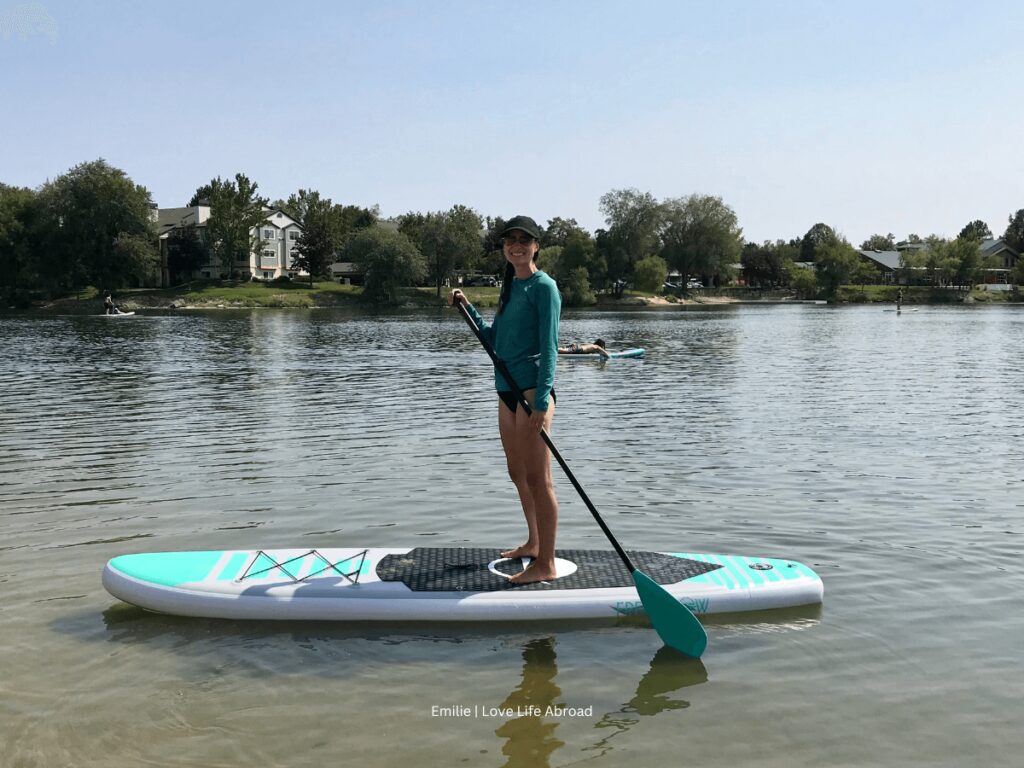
[{"x": 506, "y": 286}]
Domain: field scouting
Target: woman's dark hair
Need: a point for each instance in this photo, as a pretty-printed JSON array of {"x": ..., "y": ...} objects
[
  {"x": 600, "y": 343},
  {"x": 506, "y": 286}
]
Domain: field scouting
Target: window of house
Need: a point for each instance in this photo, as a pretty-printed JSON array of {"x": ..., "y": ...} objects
[
  {"x": 268, "y": 234},
  {"x": 269, "y": 254},
  {"x": 293, "y": 234}
]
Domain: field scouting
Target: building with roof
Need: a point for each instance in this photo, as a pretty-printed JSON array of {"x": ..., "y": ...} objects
[
  {"x": 999, "y": 257},
  {"x": 272, "y": 256}
]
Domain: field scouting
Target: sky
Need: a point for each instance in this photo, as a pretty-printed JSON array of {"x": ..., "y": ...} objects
[{"x": 872, "y": 117}]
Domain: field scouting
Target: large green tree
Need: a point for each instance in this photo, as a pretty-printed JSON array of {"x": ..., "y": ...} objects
[
  {"x": 236, "y": 213},
  {"x": 818, "y": 237},
  {"x": 975, "y": 230},
  {"x": 634, "y": 219},
  {"x": 559, "y": 230},
  {"x": 389, "y": 260},
  {"x": 314, "y": 250},
  {"x": 700, "y": 236},
  {"x": 19, "y": 268},
  {"x": 450, "y": 240},
  {"x": 764, "y": 266},
  {"x": 1014, "y": 234},
  {"x": 325, "y": 225},
  {"x": 186, "y": 252},
  {"x": 96, "y": 228},
  {"x": 837, "y": 263},
  {"x": 649, "y": 273},
  {"x": 880, "y": 243}
]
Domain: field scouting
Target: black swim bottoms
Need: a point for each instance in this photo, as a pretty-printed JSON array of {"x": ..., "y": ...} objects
[{"x": 511, "y": 402}]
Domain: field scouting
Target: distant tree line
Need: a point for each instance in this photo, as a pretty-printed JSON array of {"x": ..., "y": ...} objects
[{"x": 93, "y": 226}]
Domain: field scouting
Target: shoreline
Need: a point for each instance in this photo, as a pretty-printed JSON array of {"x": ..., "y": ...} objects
[{"x": 332, "y": 296}]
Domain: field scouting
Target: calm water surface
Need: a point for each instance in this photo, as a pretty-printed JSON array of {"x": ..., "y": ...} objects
[{"x": 884, "y": 451}]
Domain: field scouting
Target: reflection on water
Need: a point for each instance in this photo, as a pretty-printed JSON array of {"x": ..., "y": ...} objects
[
  {"x": 538, "y": 708},
  {"x": 530, "y": 736}
]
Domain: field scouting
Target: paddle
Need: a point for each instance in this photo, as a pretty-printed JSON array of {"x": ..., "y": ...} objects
[{"x": 674, "y": 622}]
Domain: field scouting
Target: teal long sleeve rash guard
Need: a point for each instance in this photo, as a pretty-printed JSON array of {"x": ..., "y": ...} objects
[{"x": 525, "y": 336}]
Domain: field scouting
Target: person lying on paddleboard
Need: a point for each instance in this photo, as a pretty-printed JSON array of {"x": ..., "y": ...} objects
[
  {"x": 597, "y": 348},
  {"x": 524, "y": 334}
]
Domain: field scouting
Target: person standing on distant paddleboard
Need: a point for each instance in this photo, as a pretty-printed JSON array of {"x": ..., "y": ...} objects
[{"x": 524, "y": 334}]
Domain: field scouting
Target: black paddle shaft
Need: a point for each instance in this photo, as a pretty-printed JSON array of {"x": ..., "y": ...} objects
[{"x": 503, "y": 370}]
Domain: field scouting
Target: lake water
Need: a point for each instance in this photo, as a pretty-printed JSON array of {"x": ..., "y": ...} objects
[{"x": 885, "y": 451}]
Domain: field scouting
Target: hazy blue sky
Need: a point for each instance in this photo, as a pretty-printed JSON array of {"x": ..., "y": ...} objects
[{"x": 870, "y": 116}]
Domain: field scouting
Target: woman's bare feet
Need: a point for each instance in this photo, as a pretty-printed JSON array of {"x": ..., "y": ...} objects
[
  {"x": 535, "y": 572},
  {"x": 524, "y": 550}
]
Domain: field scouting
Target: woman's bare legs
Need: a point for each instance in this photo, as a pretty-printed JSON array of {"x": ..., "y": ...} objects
[{"x": 529, "y": 467}]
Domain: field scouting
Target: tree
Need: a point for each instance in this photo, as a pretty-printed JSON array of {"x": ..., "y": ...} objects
[
  {"x": 764, "y": 266},
  {"x": 976, "y": 230},
  {"x": 236, "y": 212},
  {"x": 1017, "y": 274},
  {"x": 803, "y": 280},
  {"x": 315, "y": 248},
  {"x": 186, "y": 252},
  {"x": 649, "y": 273},
  {"x": 559, "y": 230},
  {"x": 96, "y": 228},
  {"x": 700, "y": 236},
  {"x": 389, "y": 260},
  {"x": 575, "y": 288},
  {"x": 448, "y": 240},
  {"x": 1014, "y": 234},
  {"x": 836, "y": 263},
  {"x": 19, "y": 209},
  {"x": 633, "y": 219},
  {"x": 880, "y": 243},
  {"x": 970, "y": 266},
  {"x": 818, "y": 237}
]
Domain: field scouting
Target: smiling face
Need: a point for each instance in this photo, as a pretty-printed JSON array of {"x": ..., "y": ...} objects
[{"x": 520, "y": 249}]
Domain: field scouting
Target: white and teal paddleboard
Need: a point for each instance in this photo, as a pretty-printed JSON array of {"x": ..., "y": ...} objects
[
  {"x": 636, "y": 352},
  {"x": 437, "y": 584}
]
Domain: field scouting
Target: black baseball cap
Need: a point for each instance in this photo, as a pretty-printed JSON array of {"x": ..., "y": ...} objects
[{"x": 524, "y": 223}]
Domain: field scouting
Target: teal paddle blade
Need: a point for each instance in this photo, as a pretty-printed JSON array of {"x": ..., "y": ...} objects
[{"x": 675, "y": 624}]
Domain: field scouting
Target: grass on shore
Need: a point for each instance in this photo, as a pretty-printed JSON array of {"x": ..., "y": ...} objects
[{"x": 297, "y": 294}]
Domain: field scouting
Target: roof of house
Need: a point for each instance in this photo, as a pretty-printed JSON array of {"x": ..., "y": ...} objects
[
  {"x": 886, "y": 259},
  {"x": 992, "y": 246}
]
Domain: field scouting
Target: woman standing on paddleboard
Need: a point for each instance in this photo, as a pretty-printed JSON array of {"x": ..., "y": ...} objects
[{"x": 524, "y": 334}]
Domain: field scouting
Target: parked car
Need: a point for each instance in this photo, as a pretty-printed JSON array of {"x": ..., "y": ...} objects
[
  {"x": 671, "y": 286},
  {"x": 694, "y": 285}
]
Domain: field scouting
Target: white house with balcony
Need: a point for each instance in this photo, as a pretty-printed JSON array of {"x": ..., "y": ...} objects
[{"x": 271, "y": 257}]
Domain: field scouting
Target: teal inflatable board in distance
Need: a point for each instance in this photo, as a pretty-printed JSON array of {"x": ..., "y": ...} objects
[{"x": 443, "y": 584}]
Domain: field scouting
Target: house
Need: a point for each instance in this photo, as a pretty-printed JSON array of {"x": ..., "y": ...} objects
[
  {"x": 272, "y": 256},
  {"x": 1003, "y": 260},
  {"x": 886, "y": 262}
]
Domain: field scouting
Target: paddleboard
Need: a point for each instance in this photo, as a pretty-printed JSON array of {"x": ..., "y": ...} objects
[
  {"x": 637, "y": 352},
  {"x": 119, "y": 314},
  {"x": 443, "y": 584}
]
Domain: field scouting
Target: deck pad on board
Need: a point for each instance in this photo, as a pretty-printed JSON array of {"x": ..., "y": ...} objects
[{"x": 429, "y": 569}]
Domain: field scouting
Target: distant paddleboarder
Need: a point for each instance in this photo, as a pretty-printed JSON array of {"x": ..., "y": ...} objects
[{"x": 597, "y": 348}]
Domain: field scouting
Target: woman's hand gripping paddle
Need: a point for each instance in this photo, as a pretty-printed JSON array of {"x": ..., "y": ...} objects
[{"x": 675, "y": 624}]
